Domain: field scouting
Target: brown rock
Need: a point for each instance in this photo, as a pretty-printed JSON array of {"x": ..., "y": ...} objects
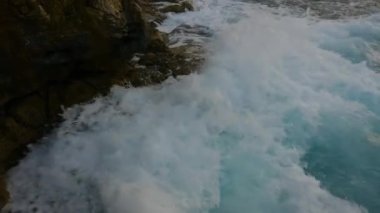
[
  {"x": 178, "y": 7},
  {"x": 149, "y": 59},
  {"x": 157, "y": 42},
  {"x": 30, "y": 111},
  {"x": 3, "y": 192},
  {"x": 56, "y": 53}
]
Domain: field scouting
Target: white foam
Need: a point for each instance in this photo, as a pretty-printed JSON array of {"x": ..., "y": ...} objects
[{"x": 210, "y": 142}]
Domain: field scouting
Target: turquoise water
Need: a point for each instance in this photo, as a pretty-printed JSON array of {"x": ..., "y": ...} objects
[
  {"x": 344, "y": 152},
  {"x": 281, "y": 119},
  {"x": 346, "y": 162},
  {"x": 359, "y": 42}
]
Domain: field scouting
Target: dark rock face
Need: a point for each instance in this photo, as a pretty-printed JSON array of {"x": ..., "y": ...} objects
[
  {"x": 56, "y": 53},
  {"x": 3, "y": 193}
]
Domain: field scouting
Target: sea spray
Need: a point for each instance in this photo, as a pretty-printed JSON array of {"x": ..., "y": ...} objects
[{"x": 239, "y": 137}]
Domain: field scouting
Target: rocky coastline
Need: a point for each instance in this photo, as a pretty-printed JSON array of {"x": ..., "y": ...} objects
[{"x": 55, "y": 54}]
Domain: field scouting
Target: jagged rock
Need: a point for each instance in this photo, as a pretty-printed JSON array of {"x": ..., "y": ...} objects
[
  {"x": 56, "y": 53},
  {"x": 149, "y": 59},
  {"x": 157, "y": 42},
  {"x": 193, "y": 29},
  {"x": 178, "y": 7}
]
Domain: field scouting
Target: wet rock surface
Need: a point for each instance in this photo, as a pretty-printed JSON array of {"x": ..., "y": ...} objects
[
  {"x": 177, "y": 7},
  {"x": 54, "y": 54}
]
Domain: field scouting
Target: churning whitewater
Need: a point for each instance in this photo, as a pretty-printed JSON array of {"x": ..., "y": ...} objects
[{"x": 283, "y": 118}]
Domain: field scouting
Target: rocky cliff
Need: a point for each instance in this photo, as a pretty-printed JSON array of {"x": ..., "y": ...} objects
[{"x": 56, "y": 53}]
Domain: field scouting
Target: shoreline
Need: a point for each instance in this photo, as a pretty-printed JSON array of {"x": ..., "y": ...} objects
[{"x": 28, "y": 116}]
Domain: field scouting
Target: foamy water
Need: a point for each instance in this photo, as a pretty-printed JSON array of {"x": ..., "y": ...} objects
[{"x": 284, "y": 117}]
